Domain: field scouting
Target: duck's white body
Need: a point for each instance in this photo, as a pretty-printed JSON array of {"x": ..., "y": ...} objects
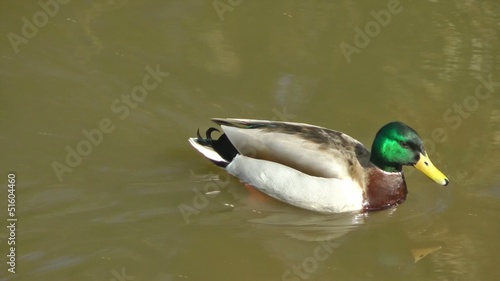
[{"x": 327, "y": 195}]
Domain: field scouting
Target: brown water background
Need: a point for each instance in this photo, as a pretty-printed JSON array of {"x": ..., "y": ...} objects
[{"x": 108, "y": 188}]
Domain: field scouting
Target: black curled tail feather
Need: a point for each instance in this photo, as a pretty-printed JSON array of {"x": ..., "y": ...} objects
[
  {"x": 222, "y": 145},
  {"x": 208, "y": 140}
]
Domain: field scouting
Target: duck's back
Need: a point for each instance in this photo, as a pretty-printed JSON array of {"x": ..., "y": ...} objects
[{"x": 310, "y": 149}]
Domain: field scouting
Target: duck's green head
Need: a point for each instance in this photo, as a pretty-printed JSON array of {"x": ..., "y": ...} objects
[{"x": 396, "y": 144}]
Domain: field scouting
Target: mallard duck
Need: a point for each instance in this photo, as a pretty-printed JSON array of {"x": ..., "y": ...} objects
[{"x": 316, "y": 168}]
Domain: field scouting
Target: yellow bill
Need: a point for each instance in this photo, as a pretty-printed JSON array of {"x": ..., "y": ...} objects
[{"x": 425, "y": 166}]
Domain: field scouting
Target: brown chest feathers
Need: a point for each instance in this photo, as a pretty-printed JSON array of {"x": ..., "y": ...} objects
[{"x": 384, "y": 190}]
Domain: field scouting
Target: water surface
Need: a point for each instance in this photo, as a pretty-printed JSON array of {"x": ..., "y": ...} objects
[{"x": 131, "y": 205}]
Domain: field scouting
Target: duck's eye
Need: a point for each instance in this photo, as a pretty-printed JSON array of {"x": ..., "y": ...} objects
[{"x": 404, "y": 144}]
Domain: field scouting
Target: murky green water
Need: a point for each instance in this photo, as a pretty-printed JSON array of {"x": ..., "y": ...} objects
[{"x": 98, "y": 99}]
